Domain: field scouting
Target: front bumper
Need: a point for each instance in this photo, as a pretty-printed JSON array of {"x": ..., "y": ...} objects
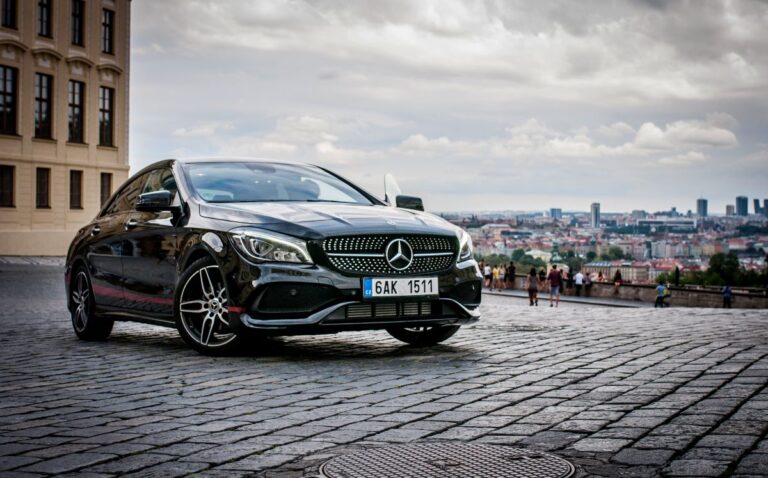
[{"x": 309, "y": 299}]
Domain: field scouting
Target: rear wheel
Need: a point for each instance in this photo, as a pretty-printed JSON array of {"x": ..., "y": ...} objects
[
  {"x": 423, "y": 336},
  {"x": 87, "y": 325},
  {"x": 201, "y": 311}
]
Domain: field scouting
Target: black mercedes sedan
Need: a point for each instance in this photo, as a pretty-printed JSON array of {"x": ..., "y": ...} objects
[{"x": 225, "y": 250}]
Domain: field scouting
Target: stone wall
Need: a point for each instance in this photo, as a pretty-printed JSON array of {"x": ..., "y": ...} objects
[{"x": 681, "y": 296}]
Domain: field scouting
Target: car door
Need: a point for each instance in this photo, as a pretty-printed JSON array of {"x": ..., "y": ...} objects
[
  {"x": 105, "y": 247},
  {"x": 150, "y": 252}
]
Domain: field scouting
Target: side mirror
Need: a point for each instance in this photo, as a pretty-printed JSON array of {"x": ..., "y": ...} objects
[
  {"x": 155, "y": 202},
  {"x": 409, "y": 202}
]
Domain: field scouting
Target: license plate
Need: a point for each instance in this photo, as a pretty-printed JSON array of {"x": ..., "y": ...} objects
[{"x": 399, "y": 287}]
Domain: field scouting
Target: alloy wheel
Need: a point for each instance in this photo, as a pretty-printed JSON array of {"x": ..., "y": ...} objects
[
  {"x": 203, "y": 308},
  {"x": 81, "y": 300}
]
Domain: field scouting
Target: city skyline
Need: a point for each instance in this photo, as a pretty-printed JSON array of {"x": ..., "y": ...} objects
[
  {"x": 470, "y": 104},
  {"x": 695, "y": 210}
]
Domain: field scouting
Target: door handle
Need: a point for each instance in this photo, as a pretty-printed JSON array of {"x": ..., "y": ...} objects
[
  {"x": 95, "y": 230},
  {"x": 131, "y": 223}
]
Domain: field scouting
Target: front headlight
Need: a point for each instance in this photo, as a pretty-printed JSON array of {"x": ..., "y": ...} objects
[
  {"x": 256, "y": 245},
  {"x": 465, "y": 243}
]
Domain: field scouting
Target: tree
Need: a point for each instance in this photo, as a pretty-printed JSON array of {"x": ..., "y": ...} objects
[
  {"x": 726, "y": 266},
  {"x": 591, "y": 256},
  {"x": 615, "y": 253},
  {"x": 517, "y": 255}
]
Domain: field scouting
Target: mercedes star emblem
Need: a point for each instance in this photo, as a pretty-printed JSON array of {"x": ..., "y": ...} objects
[{"x": 399, "y": 254}]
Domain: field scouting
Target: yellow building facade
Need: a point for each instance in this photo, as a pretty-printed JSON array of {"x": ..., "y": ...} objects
[{"x": 64, "y": 69}]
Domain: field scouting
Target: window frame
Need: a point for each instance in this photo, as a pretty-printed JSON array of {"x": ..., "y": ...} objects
[
  {"x": 105, "y": 198},
  {"x": 10, "y": 13},
  {"x": 76, "y": 194},
  {"x": 106, "y": 116},
  {"x": 11, "y": 170},
  {"x": 43, "y": 98},
  {"x": 44, "y": 18},
  {"x": 8, "y": 120},
  {"x": 108, "y": 31},
  {"x": 43, "y": 195},
  {"x": 78, "y": 22},
  {"x": 76, "y": 111}
]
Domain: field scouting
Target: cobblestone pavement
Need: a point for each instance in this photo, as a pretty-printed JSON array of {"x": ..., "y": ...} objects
[{"x": 619, "y": 392}]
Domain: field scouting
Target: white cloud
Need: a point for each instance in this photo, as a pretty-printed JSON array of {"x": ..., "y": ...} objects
[
  {"x": 685, "y": 134},
  {"x": 201, "y": 130},
  {"x": 616, "y": 129},
  {"x": 684, "y": 159}
]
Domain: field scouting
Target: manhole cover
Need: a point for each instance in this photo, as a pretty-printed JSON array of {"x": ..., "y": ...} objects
[{"x": 460, "y": 460}]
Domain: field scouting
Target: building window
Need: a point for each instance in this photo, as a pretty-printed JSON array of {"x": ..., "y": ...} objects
[
  {"x": 78, "y": 22},
  {"x": 106, "y": 115},
  {"x": 43, "y": 195},
  {"x": 106, "y": 187},
  {"x": 76, "y": 100},
  {"x": 8, "y": 82},
  {"x": 44, "y": 18},
  {"x": 6, "y": 186},
  {"x": 75, "y": 189},
  {"x": 9, "y": 14},
  {"x": 43, "y": 105},
  {"x": 107, "y": 31}
]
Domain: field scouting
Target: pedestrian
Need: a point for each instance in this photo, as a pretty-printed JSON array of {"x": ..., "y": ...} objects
[
  {"x": 667, "y": 294},
  {"x": 578, "y": 281},
  {"x": 555, "y": 282},
  {"x": 511, "y": 274},
  {"x": 495, "y": 277},
  {"x": 542, "y": 276},
  {"x": 487, "y": 275},
  {"x": 600, "y": 276},
  {"x": 588, "y": 285},
  {"x": 569, "y": 280},
  {"x": 532, "y": 283},
  {"x": 616, "y": 282},
  {"x": 502, "y": 277},
  {"x": 727, "y": 296},
  {"x": 660, "y": 290}
]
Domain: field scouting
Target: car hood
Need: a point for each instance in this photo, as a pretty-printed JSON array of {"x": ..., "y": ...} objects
[{"x": 319, "y": 220}]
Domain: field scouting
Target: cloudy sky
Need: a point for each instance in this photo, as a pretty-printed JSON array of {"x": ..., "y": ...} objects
[{"x": 493, "y": 104}]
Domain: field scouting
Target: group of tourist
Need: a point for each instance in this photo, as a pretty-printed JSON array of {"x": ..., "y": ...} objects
[
  {"x": 554, "y": 281},
  {"x": 499, "y": 277},
  {"x": 502, "y": 277}
]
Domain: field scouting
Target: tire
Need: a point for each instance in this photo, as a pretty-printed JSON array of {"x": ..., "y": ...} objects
[
  {"x": 87, "y": 325},
  {"x": 423, "y": 336},
  {"x": 200, "y": 310}
]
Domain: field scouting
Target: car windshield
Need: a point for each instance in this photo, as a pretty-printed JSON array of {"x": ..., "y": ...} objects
[{"x": 226, "y": 182}]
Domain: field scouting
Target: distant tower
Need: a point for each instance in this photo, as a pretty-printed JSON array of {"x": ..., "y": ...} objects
[
  {"x": 742, "y": 206},
  {"x": 758, "y": 209},
  {"x": 765, "y": 207},
  {"x": 701, "y": 207},
  {"x": 556, "y": 213},
  {"x": 730, "y": 210},
  {"x": 595, "y": 215}
]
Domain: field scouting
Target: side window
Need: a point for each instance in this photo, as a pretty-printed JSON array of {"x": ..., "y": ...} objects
[
  {"x": 161, "y": 180},
  {"x": 126, "y": 199}
]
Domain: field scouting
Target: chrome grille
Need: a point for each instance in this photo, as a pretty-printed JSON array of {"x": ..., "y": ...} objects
[{"x": 364, "y": 255}]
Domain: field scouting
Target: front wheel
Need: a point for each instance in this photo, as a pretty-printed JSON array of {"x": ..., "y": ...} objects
[
  {"x": 200, "y": 309},
  {"x": 87, "y": 325},
  {"x": 423, "y": 336}
]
